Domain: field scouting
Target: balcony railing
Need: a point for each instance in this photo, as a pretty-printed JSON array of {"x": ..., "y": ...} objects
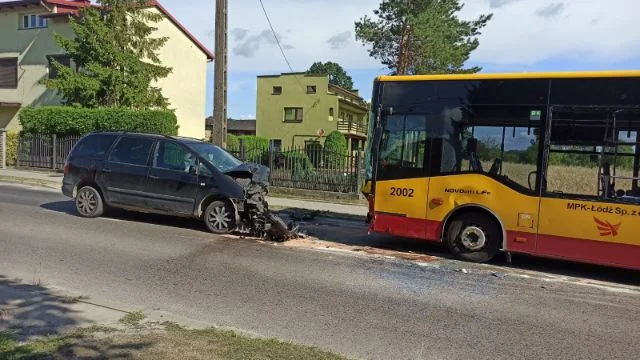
[{"x": 352, "y": 127}]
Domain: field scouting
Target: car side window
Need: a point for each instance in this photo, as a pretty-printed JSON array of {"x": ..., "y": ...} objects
[
  {"x": 94, "y": 146},
  {"x": 132, "y": 150},
  {"x": 173, "y": 156}
]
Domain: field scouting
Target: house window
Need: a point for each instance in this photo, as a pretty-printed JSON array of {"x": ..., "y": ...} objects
[
  {"x": 64, "y": 60},
  {"x": 311, "y": 89},
  {"x": 350, "y": 118},
  {"x": 293, "y": 114},
  {"x": 33, "y": 22},
  {"x": 277, "y": 90},
  {"x": 9, "y": 73},
  {"x": 331, "y": 112}
]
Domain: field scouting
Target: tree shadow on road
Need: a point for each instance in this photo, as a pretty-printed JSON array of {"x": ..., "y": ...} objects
[
  {"x": 31, "y": 310},
  {"x": 35, "y": 323}
]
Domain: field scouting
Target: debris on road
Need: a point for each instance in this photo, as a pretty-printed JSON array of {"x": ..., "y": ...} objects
[{"x": 256, "y": 220}]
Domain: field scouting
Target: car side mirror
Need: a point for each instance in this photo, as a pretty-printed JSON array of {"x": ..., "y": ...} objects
[{"x": 193, "y": 170}]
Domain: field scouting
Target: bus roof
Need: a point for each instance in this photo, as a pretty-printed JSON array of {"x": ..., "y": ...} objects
[{"x": 513, "y": 76}]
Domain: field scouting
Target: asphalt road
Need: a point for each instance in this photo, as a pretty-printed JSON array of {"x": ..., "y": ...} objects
[{"x": 365, "y": 307}]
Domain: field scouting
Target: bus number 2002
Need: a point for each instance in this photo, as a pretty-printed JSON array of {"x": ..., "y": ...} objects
[{"x": 401, "y": 192}]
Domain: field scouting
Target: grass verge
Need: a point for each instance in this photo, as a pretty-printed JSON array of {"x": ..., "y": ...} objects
[{"x": 157, "y": 341}]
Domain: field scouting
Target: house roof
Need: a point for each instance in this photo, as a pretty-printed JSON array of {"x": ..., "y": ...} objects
[
  {"x": 236, "y": 125},
  {"x": 72, "y": 7}
]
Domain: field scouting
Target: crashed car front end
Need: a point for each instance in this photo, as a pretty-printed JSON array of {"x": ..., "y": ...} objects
[{"x": 255, "y": 219}]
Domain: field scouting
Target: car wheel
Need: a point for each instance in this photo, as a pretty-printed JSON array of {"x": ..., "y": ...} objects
[
  {"x": 474, "y": 237},
  {"x": 219, "y": 217},
  {"x": 89, "y": 202}
]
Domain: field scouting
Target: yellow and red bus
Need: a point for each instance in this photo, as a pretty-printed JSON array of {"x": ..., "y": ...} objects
[{"x": 546, "y": 164}]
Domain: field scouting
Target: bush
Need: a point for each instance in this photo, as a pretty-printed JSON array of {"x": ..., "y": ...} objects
[
  {"x": 335, "y": 147},
  {"x": 256, "y": 149},
  {"x": 233, "y": 143},
  {"x": 12, "y": 148},
  {"x": 60, "y": 120},
  {"x": 301, "y": 167}
]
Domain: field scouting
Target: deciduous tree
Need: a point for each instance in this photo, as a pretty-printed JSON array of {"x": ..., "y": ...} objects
[{"x": 337, "y": 75}]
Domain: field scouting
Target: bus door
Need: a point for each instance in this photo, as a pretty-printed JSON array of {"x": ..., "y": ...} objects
[{"x": 402, "y": 185}]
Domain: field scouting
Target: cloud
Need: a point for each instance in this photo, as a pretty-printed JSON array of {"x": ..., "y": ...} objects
[
  {"x": 551, "y": 10},
  {"x": 516, "y": 39},
  {"x": 239, "y": 34},
  {"x": 339, "y": 40},
  {"x": 251, "y": 44},
  {"x": 246, "y": 117},
  {"x": 494, "y": 4}
]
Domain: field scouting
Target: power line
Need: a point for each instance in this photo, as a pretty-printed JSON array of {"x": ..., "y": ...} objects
[{"x": 275, "y": 35}]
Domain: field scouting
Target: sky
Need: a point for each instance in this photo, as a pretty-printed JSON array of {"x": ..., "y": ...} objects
[{"x": 524, "y": 35}]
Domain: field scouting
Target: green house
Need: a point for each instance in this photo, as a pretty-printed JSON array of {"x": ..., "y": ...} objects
[{"x": 300, "y": 109}]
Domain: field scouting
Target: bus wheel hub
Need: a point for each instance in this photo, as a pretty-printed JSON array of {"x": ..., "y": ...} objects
[{"x": 473, "y": 238}]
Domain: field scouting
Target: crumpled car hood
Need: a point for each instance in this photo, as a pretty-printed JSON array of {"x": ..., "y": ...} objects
[{"x": 251, "y": 174}]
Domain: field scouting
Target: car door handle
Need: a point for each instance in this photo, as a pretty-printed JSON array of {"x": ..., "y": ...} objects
[
  {"x": 153, "y": 177},
  {"x": 106, "y": 171}
]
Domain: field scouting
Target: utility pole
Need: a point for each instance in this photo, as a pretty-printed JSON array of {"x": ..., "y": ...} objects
[{"x": 219, "y": 131}]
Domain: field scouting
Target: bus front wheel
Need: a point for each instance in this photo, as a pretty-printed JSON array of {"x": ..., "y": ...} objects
[{"x": 474, "y": 237}]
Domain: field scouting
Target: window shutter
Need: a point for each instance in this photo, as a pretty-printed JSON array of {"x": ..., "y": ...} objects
[{"x": 9, "y": 73}]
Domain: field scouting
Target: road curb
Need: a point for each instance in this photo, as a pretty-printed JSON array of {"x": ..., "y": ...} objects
[{"x": 29, "y": 181}]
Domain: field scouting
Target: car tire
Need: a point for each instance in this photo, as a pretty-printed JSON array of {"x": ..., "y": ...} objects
[
  {"x": 219, "y": 217},
  {"x": 89, "y": 203},
  {"x": 474, "y": 237}
]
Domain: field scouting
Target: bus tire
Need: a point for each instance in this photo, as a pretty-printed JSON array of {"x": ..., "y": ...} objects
[{"x": 474, "y": 237}]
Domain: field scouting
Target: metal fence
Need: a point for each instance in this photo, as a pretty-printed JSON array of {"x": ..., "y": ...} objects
[
  {"x": 309, "y": 168},
  {"x": 44, "y": 151}
]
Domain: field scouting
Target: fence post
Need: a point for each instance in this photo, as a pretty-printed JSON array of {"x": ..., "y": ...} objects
[
  {"x": 242, "y": 154},
  {"x": 359, "y": 177},
  {"x": 54, "y": 156},
  {"x": 18, "y": 149},
  {"x": 270, "y": 149},
  {"x": 3, "y": 149}
]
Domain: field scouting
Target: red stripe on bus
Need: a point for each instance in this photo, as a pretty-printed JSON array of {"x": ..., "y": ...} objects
[
  {"x": 589, "y": 251},
  {"x": 407, "y": 227},
  {"x": 522, "y": 242}
]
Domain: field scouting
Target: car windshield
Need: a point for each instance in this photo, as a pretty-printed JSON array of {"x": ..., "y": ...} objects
[{"x": 217, "y": 156}]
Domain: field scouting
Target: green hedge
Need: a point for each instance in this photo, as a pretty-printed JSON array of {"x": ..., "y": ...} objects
[
  {"x": 62, "y": 120},
  {"x": 256, "y": 149},
  {"x": 12, "y": 147},
  {"x": 232, "y": 142}
]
